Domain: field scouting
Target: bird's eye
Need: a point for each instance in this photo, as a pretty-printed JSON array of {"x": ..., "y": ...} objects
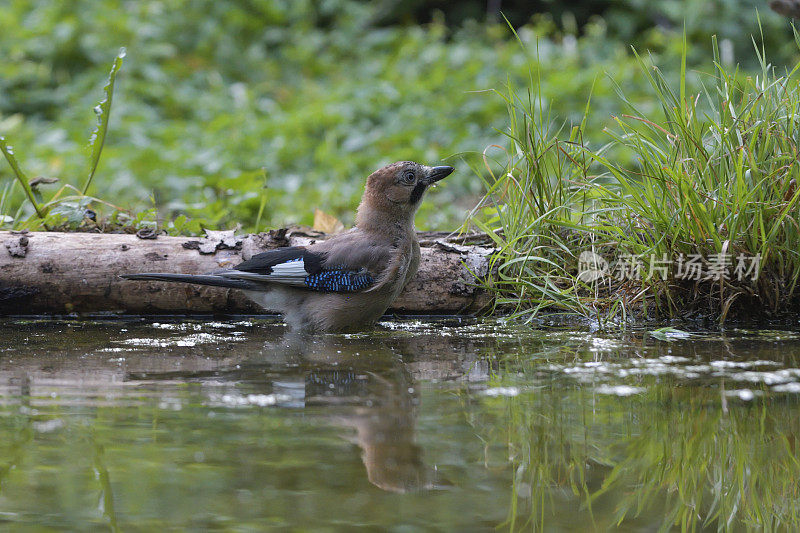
[{"x": 408, "y": 176}]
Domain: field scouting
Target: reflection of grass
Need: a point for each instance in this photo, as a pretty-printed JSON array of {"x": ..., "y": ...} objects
[
  {"x": 543, "y": 441},
  {"x": 561, "y": 462},
  {"x": 712, "y": 467},
  {"x": 20, "y": 435},
  {"x": 664, "y": 459},
  {"x": 103, "y": 478}
]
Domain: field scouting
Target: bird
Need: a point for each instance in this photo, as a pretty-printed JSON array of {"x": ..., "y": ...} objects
[
  {"x": 348, "y": 281},
  {"x": 787, "y": 8}
]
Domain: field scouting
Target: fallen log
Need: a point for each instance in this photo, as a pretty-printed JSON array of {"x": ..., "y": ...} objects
[{"x": 56, "y": 273}]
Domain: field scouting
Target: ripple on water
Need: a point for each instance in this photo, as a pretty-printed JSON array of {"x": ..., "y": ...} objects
[
  {"x": 619, "y": 390},
  {"x": 187, "y": 340},
  {"x": 757, "y": 372},
  {"x": 501, "y": 391}
]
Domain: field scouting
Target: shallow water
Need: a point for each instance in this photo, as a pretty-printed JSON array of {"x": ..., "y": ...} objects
[{"x": 449, "y": 425}]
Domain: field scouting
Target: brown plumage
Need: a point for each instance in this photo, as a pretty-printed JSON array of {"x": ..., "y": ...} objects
[{"x": 349, "y": 280}]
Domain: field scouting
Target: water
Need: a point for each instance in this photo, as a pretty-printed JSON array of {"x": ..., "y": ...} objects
[{"x": 144, "y": 425}]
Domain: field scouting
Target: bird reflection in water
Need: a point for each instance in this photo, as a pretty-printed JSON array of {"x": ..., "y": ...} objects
[
  {"x": 370, "y": 391},
  {"x": 365, "y": 385}
]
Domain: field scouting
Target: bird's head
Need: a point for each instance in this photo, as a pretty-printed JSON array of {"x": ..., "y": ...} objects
[{"x": 394, "y": 192}]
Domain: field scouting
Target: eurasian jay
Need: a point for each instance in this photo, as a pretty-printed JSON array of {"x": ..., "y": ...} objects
[{"x": 349, "y": 280}]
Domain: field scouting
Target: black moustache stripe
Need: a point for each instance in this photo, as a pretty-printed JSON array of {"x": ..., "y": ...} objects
[{"x": 417, "y": 193}]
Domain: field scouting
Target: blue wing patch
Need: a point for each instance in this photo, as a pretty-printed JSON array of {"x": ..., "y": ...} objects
[
  {"x": 339, "y": 280},
  {"x": 298, "y": 267}
]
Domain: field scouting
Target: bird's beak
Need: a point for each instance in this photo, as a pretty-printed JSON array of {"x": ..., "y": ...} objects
[{"x": 437, "y": 173}]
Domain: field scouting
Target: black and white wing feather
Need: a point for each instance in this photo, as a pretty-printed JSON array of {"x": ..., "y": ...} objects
[
  {"x": 299, "y": 267},
  {"x": 293, "y": 266}
]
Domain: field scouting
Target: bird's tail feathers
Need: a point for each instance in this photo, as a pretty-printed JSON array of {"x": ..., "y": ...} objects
[{"x": 199, "y": 279}]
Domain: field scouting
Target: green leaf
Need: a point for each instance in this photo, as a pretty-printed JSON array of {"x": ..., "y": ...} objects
[
  {"x": 103, "y": 112},
  {"x": 8, "y": 152},
  {"x": 670, "y": 334}
]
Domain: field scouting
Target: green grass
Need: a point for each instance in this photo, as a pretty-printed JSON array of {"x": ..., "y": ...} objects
[
  {"x": 711, "y": 169},
  {"x": 72, "y": 210}
]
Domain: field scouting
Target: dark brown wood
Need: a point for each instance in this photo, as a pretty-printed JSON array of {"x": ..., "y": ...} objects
[{"x": 55, "y": 273}]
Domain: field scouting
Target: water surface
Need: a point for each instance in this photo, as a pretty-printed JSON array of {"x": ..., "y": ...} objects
[{"x": 142, "y": 425}]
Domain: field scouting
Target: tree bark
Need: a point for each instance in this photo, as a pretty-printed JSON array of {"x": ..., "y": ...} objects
[{"x": 57, "y": 273}]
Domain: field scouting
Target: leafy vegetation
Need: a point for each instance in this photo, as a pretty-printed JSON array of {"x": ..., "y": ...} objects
[
  {"x": 240, "y": 113},
  {"x": 222, "y": 114},
  {"x": 73, "y": 209}
]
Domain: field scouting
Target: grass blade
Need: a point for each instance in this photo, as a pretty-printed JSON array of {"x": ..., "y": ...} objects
[
  {"x": 8, "y": 152},
  {"x": 103, "y": 111}
]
